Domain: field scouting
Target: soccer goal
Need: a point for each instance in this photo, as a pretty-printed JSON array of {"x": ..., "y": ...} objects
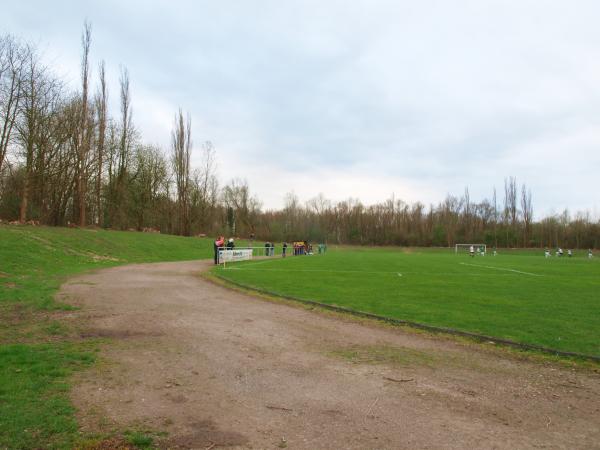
[{"x": 466, "y": 248}]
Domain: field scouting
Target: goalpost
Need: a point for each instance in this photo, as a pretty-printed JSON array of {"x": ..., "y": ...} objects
[{"x": 479, "y": 248}]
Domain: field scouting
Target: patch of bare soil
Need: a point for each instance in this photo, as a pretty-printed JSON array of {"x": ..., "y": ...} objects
[
  {"x": 219, "y": 369},
  {"x": 109, "y": 444}
]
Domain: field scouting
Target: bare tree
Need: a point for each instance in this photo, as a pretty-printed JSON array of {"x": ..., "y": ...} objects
[
  {"x": 181, "y": 149},
  {"x": 101, "y": 109},
  {"x": 148, "y": 182},
  {"x": 527, "y": 213},
  {"x": 126, "y": 123},
  {"x": 495, "y": 219},
  {"x": 510, "y": 206},
  {"x": 57, "y": 164},
  {"x": 83, "y": 143},
  {"x": 318, "y": 204},
  {"x": 121, "y": 155},
  {"x": 291, "y": 209},
  {"x": 467, "y": 214},
  {"x": 13, "y": 58},
  {"x": 243, "y": 207},
  {"x": 204, "y": 189},
  {"x": 38, "y": 93}
]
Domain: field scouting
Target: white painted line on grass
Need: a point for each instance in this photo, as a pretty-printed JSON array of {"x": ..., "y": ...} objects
[
  {"x": 399, "y": 274},
  {"x": 255, "y": 263},
  {"x": 502, "y": 268},
  {"x": 315, "y": 270}
]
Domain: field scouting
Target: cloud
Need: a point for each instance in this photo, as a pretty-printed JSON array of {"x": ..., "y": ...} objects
[{"x": 360, "y": 99}]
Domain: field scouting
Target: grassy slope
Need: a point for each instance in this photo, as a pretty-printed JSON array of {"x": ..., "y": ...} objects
[
  {"x": 36, "y": 352},
  {"x": 559, "y": 309}
]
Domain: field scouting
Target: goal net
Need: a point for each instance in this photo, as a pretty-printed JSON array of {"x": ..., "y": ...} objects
[{"x": 466, "y": 248}]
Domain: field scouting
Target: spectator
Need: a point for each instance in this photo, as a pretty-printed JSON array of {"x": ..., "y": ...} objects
[{"x": 218, "y": 244}]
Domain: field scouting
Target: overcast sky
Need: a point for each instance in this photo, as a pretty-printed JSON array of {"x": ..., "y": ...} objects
[{"x": 360, "y": 99}]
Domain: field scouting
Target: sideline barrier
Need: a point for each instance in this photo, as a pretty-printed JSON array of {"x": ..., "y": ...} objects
[{"x": 235, "y": 254}]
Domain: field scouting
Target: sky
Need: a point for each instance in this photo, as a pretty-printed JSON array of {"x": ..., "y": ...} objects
[{"x": 361, "y": 99}]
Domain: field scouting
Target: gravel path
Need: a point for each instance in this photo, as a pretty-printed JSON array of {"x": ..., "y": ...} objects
[{"x": 216, "y": 368}]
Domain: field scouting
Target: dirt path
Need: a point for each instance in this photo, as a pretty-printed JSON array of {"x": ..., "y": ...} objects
[{"x": 215, "y": 368}]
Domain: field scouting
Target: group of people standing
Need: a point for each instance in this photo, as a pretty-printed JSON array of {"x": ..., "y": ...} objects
[
  {"x": 220, "y": 244},
  {"x": 299, "y": 247},
  {"x": 480, "y": 251},
  {"x": 270, "y": 249},
  {"x": 303, "y": 248},
  {"x": 560, "y": 252}
]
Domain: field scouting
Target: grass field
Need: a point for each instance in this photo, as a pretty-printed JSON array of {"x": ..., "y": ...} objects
[
  {"x": 38, "y": 351},
  {"x": 518, "y": 295}
]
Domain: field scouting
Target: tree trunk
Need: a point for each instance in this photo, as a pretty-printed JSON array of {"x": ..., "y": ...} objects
[
  {"x": 84, "y": 132},
  {"x": 24, "y": 197}
]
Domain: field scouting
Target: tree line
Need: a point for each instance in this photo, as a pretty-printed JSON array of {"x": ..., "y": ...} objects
[
  {"x": 64, "y": 160},
  {"x": 499, "y": 222}
]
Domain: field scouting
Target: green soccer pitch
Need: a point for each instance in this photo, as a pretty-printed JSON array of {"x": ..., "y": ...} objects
[{"x": 517, "y": 295}]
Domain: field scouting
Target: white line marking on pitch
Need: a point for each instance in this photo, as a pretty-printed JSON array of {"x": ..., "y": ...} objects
[
  {"x": 315, "y": 270},
  {"x": 502, "y": 268},
  {"x": 457, "y": 274},
  {"x": 255, "y": 263}
]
